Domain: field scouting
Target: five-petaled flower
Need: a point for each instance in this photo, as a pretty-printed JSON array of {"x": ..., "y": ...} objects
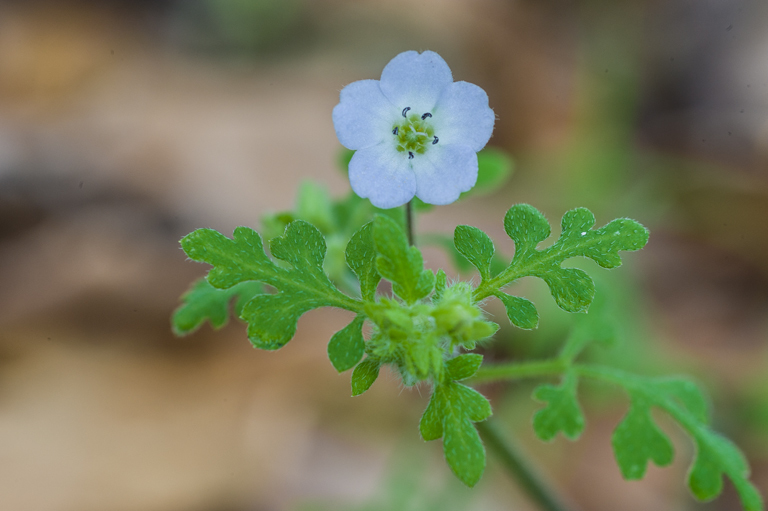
[{"x": 415, "y": 132}]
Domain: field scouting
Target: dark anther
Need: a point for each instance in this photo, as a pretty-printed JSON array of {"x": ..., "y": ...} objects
[
  {"x": 394, "y": 131},
  {"x": 410, "y": 155},
  {"x": 436, "y": 140},
  {"x": 405, "y": 110},
  {"x": 426, "y": 115}
]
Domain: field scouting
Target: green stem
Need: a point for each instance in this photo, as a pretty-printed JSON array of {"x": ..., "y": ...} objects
[
  {"x": 409, "y": 222},
  {"x": 514, "y": 461},
  {"x": 519, "y": 370}
]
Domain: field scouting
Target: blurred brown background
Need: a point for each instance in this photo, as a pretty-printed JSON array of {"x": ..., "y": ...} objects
[{"x": 126, "y": 124}]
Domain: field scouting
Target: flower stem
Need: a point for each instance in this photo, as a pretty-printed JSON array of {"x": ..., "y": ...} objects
[
  {"x": 409, "y": 222},
  {"x": 514, "y": 461}
]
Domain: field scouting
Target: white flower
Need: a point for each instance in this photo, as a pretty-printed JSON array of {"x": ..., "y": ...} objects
[{"x": 415, "y": 132}]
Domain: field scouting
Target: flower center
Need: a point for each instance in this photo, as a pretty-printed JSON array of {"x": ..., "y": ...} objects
[{"x": 414, "y": 134}]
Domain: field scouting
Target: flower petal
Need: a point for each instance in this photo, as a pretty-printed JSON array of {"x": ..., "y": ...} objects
[
  {"x": 415, "y": 80},
  {"x": 364, "y": 116},
  {"x": 383, "y": 175},
  {"x": 443, "y": 172},
  {"x": 462, "y": 116}
]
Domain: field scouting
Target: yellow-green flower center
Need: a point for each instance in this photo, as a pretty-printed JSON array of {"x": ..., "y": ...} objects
[{"x": 414, "y": 134}]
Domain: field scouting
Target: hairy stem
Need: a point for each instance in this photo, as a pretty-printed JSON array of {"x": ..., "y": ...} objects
[{"x": 514, "y": 461}]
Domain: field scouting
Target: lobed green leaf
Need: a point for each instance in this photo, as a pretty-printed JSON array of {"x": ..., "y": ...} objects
[
  {"x": 562, "y": 413},
  {"x": 452, "y": 409},
  {"x": 637, "y": 440},
  {"x": 271, "y": 318},
  {"x": 204, "y": 302},
  {"x": 572, "y": 289}
]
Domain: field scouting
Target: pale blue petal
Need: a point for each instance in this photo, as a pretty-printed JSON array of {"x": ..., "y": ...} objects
[
  {"x": 364, "y": 116},
  {"x": 415, "y": 80},
  {"x": 462, "y": 116},
  {"x": 383, "y": 175},
  {"x": 443, "y": 172}
]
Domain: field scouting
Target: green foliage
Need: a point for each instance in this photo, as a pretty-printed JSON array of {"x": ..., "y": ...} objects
[
  {"x": 476, "y": 246},
  {"x": 521, "y": 312},
  {"x": 572, "y": 289},
  {"x": 421, "y": 329},
  {"x": 562, "y": 413},
  {"x": 399, "y": 263},
  {"x": 450, "y": 413},
  {"x": 347, "y": 346},
  {"x": 271, "y": 318},
  {"x": 364, "y": 375},
  {"x": 361, "y": 258},
  {"x": 637, "y": 440},
  {"x": 494, "y": 168},
  {"x": 463, "y": 366},
  {"x": 204, "y": 302}
]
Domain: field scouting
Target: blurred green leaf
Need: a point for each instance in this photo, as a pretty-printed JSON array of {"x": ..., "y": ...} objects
[
  {"x": 494, "y": 168},
  {"x": 562, "y": 413},
  {"x": 637, "y": 441},
  {"x": 204, "y": 302},
  {"x": 314, "y": 205}
]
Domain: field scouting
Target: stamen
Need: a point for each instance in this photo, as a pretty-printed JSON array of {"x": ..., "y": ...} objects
[
  {"x": 410, "y": 155},
  {"x": 436, "y": 140},
  {"x": 426, "y": 115},
  {"x": 394, "y": 131},
  {"x": 405, "y": 110}
]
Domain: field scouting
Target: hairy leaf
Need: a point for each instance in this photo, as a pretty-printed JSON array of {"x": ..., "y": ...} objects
[
  {"x": 361, "y": 258},
  {"x": 441, "y": 282},
  {"x": 399, "y": 263},
  {"x": 347, "y": 346},
  {"x": 572, "y": 289},
  {"x": 450, "y": 413},
  {"x": 476, "y": 246},
  {"x": 463, "y": 366},
  {"x": 271, "y": 318},
  {"x": 521, "y": 312},
  {"x": 204, "y": 302},
  {"x": 364, "y": 375}
]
